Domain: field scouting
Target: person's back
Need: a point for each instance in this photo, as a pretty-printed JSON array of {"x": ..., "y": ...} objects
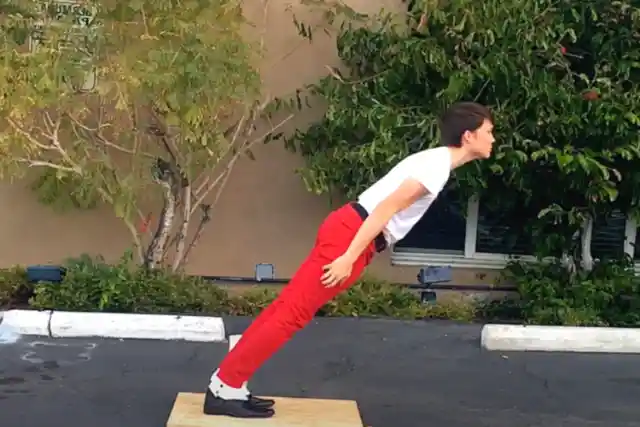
[{"x": 431, "y": 167}]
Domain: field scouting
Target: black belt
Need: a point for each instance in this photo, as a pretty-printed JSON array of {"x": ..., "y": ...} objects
[{"x": 380, "y": 241}]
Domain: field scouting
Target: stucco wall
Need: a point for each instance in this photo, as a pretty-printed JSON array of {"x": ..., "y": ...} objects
[{"x": 265, "y": 214}]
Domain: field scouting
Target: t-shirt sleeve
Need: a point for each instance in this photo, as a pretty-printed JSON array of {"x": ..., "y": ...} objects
[{"x": 432, "y": 172}]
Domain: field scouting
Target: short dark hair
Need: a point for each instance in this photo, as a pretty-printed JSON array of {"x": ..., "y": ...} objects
[{"x": 459, "y": 118}]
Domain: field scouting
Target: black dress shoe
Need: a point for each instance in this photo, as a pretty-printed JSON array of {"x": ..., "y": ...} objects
[
  {"x": 234, "y": 408},
  {"x": 261, "y": 402}
]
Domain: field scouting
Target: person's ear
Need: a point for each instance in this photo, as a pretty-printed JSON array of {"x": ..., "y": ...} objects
[{"x": 465, "y": 137}]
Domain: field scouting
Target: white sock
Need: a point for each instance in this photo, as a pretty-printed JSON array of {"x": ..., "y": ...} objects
[
  {"x": 233, "y": 340},
  {"x": 245, "y": 388},
  {"x": 223, "y": 391}
]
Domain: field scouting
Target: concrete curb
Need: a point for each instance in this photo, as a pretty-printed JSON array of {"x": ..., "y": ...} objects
[
  {"x": 64, "y": 324},
  {"x": 575, "y": 339},
  {"x": 494, "y": 337}
]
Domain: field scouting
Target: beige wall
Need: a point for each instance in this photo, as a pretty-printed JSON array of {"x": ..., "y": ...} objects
[{"x": 265, "y": 214}]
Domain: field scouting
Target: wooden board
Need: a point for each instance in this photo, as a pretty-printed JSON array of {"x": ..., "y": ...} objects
[{"x": 290, "y": 412}]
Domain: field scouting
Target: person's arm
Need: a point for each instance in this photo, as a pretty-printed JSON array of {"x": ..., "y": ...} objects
[{"x": 405, "y": 195}]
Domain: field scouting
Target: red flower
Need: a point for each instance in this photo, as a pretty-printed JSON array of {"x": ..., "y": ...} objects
[
  {"x": 563, "y": 50},
  {"x": 144, "y": 224}
]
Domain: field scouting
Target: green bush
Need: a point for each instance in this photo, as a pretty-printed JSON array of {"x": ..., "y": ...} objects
[
  {"x": 251, "y": 302},
  {"x": 14, "y": 288},
  {"x": 561, "y": 77},
  {"x": 372, "y": 298},
  {"x": 92, "y": 284},
  {"x": 609, "y": 295}
]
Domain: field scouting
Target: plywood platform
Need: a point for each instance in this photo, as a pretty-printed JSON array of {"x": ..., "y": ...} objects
[{"x": 290, "y": 412}]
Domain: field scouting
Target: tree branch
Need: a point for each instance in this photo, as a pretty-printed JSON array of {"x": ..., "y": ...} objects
[
  {"x": 182, "y": 234},
  {"x": 42, "y": 163},
  {"x": 206, "y": 217},
  {"x": 97, "y": 135},
  {"x": 28, "y": 136},
  {"x": 231, "y": 163},
  {"x": 53, "y": 127},
  {"x": 221, "y": 182},
  {"x": 55, "y": 146},
  {"x": 132, "y": 229}
]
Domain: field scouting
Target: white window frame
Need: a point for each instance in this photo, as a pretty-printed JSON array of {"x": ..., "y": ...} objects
[{"x": 470, "y": 258}]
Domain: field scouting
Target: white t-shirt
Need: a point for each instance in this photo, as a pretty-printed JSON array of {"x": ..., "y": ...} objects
[{"x": 431, "y": 167}]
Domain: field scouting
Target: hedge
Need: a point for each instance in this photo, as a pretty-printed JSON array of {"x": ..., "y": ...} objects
[
  {"x": 609, "y": 295},
  {"x": 91, "y": 284}
]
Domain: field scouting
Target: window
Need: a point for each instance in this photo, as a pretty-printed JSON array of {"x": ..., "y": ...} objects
[
  {"x": 496, "y": 234},
  {"x": 441, "y": 229},
  {"x": 608, "y": 236},
  {"x": 475, "y": 237}
]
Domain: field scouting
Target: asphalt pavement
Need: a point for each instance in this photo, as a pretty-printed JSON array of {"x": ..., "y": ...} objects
[{"x": 402, "y": 374}]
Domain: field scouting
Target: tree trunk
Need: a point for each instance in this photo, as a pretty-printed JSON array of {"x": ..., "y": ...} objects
[
  {"x": 206, "y": 209},
  {"x": 181, "y": 244},
  {"x": 156, "y": 249}
]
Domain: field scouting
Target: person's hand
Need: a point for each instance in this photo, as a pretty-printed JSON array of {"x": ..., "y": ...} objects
[{"x": 337, "y": 272}]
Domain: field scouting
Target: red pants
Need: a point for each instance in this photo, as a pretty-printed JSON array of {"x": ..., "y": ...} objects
[{"x": 299, "y": 301}]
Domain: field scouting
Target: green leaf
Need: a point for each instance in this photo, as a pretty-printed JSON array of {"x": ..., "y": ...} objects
[
  {"x": 168, "y": 86},
  {"x": 532, "y": 68}
]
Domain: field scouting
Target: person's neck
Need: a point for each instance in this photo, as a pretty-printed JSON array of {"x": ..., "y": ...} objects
[{"x": 459, "y": 156}]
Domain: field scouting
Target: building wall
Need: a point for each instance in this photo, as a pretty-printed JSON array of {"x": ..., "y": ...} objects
[{"x": 265, "y": 214}]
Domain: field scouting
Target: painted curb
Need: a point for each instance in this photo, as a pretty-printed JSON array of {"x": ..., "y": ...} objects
[
  {"x": 27, "y": 322},
  {"x": 576, "y": 339},
  {"x": 64, "y": 324},
  {"x": 233, "y": 340}
]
